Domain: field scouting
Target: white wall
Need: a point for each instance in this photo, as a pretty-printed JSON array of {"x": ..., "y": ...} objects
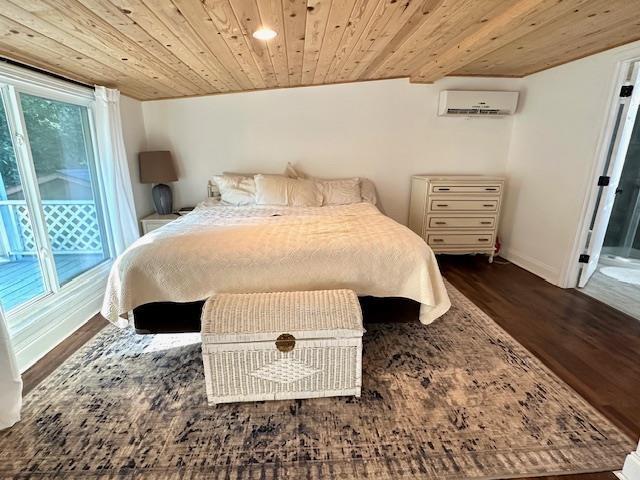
[
  {"x": 553, "y": 149},
  {"x": 389, "y": 130},
  {"x": 384, "y": 130},
  {"x": 135, "y": 142}
]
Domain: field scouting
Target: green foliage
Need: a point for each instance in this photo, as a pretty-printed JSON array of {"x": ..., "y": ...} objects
[
  {"x": 8, "y": 168},
  {"x": 56, "y": 136}
]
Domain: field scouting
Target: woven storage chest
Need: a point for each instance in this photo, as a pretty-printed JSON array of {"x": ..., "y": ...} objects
[{"x": 274, "y": 346}]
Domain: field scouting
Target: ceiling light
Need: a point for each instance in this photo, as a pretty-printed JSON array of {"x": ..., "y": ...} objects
[{"x": 264, "y": 33}]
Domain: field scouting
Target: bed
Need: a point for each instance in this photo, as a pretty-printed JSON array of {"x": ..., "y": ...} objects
[{"x": 165, "y": 276}]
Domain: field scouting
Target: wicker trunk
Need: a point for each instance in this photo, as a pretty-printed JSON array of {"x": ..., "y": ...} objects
[{"x": 285, "y": 345}]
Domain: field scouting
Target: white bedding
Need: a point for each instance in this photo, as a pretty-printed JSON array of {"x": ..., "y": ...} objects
[{"x": 229, "y": 249}]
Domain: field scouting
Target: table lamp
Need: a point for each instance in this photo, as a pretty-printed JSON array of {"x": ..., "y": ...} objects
[{"x": 157, "y": 167}]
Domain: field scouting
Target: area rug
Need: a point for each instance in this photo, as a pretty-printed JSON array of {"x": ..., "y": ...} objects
[{"x": 459, "y": 398}]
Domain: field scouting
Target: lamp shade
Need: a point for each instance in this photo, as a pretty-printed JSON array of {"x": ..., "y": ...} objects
[{"x": 157, "y": 167}]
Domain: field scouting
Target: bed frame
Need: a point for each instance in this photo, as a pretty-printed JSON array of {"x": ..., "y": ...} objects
[
  {"x": 160, "y": 317},
  {"x": 167, "y": 317}
]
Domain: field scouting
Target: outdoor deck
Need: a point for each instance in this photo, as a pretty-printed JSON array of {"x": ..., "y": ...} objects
[{"x": 21, "y": 280}]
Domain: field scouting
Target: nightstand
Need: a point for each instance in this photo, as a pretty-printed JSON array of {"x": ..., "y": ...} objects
[{"x": 154, "y": 221}]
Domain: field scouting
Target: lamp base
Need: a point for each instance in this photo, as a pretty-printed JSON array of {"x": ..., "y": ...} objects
[{"x": 162, "y": 199}]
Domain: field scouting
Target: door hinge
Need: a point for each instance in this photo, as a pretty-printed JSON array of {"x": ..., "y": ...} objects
[
  {"x": 583, "y": 258},
  {"x": 626, "y": 90},
  {"x": 603, "y": 181}
]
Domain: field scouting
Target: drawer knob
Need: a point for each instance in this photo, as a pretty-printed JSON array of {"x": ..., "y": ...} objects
[
  {"x": 490, "y": 189},
  {"x": 485, "y": 223},
  {"x": 437, "y": 240},
  {"x": 443, "y": 189},
  {"x": 483, "y": 239},
  {"x": 442, "y": 205},
  {"x": 488, "y": 205},
  {"x": 285, "y": 342},
  {"x": 441, "y": 223}
]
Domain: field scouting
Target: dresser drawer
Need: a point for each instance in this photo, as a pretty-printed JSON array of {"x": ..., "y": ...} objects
[
  {"x": 480, "y": 188},
  {"x": 442, "y": 205},
  {"x": 460, "y": 239},
  {"x": 461, "y": 222}
]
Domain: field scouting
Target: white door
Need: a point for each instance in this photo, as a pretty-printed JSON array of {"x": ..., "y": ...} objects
[{"x": 626, "y": 114}]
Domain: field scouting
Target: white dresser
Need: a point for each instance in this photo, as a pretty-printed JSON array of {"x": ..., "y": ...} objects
[{"x": 456, "y": 214}]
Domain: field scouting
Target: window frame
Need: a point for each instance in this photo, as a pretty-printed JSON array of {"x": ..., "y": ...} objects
[{"x": 15, "y": 81}]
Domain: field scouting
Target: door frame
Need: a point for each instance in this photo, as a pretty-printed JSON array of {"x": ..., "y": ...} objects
[
  {"x": 28, "y": 178},
  {"x": 570, "y": 272},
  {"x": 626, "y": 108},
  {"x": 14, "y": 82}
]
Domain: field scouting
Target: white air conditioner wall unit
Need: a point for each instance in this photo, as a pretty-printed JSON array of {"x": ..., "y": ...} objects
[{"x": 469, "y": 103}]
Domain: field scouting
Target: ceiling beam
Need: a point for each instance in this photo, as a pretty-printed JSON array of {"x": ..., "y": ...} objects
[{"x": 515, "y": 22}]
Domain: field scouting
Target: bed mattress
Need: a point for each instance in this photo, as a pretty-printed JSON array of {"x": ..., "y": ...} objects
[{"x": 229, "y": 249}]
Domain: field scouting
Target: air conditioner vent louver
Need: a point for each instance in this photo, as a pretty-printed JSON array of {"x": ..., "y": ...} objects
[
  {"x": 477, "y": 104},
  {"x": 474, "y": 111}
]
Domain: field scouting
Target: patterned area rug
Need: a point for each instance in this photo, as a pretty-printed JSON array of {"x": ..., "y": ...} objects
[{"x": 456, "y": 399}]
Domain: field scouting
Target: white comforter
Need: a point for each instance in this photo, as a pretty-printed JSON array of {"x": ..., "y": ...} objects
[{"x": 228, "y": 249}]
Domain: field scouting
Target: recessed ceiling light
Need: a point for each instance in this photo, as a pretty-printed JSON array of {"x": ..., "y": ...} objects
[{"x": 264, "y": 33}]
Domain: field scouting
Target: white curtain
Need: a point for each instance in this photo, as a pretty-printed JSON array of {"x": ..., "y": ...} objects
[
  {"x": 10, "y": 380},
  {"x": 114, "y": 169}
]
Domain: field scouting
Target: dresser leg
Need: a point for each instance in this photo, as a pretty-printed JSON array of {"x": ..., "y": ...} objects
[{"x": 491, "y": 258}]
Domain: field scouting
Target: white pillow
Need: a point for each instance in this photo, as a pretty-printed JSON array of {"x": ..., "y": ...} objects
[
  {"x": 291, "y": 172},
  {"x": 340, "y": 192},
  {"x": 367, "y": 188},
  {"x": 278, "y": 190},
  {"x": 236, "y": 189},
  {"x": 368, "y": 191}
]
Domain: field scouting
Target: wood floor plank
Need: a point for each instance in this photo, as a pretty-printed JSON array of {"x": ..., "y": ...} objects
[
  {"x": 52, "y": 360},
  {"x": 591, "y": 346}
]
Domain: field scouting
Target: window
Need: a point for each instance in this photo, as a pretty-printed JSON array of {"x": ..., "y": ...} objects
[
  {"x": 51, "y": 222},
  {"x": 20, "y": 270}
]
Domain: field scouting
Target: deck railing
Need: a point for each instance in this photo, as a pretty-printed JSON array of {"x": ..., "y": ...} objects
[{"x": 72, "y": 226}]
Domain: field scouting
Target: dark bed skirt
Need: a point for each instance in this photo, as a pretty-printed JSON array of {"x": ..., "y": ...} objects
[
  {"x": 171, "y": 317},
  {"x": 168, "y": 317}
]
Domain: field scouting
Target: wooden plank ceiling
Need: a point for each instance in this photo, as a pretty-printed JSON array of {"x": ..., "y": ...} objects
[{"x": 153, "y": 49}]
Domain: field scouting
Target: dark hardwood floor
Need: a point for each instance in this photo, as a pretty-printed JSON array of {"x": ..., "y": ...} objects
[
  {"x": 591, "y": 346},
  {"x": 52, "y": 360}
]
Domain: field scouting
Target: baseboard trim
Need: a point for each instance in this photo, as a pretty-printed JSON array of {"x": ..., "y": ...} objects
[
  {"x": 28, "y": 354},
  {"x": 631, "y": 469},
  {"x": 541, "y": 269},
  {"x": 47, "y": 326}
]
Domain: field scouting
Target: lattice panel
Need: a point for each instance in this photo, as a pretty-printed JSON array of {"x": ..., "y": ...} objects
[{"x": 73, "y": 227}]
